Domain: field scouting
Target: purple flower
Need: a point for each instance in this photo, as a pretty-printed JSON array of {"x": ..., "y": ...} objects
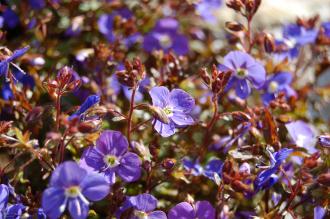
[
  {"x": 246, "y": 70},
  {"x": 176, "y": 107},
  {"x": 4, "y": 195},
  {"x": 213, "y": 166},
  {"x": 299, "y": 35},
  {"x": 5, "y": 63},
  {"x": 165, "y": 36},
  {"x": 116, "y": 86},
  {"x": 326, "y": 28},
  {"x": 279, "y": 82},
  {"x": 184, "y": 210},
  {"x": 324, "y": 140},
  {"x": 143, "y": 206},
  {"x": 302, "y": 135},
  {"x": 91, "y": 101},
  {"x": 72, "y": 187},
  {"x": 267, "y": 177},
  {"x": 105, "y": 24},
  {"x": 11, "y": 20},
  {"x": 37, "y": 4},
  {"x": 110, "y": 157},
  {"x": 206, "y": 9},
  {"x": 14, "y": 211},
  {"x": 319, "y": 212}
]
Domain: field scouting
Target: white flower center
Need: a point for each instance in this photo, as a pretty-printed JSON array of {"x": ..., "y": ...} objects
[
  {"x": 141, "y": 214},
  {"x": 168, "y": 111},
  {"x": 241, "y": 73},
  {"x": 72, "y": 192},
  {"x": 111, "y": 161},
  {"x": 165, "y": 41},
  {"x": 272, "y": 87}
]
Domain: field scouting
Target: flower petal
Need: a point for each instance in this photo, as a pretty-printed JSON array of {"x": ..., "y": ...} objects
[
  {"x": 143, "y": 202},
  {"x": 18, "y": 53},
  {"x": 182, "y": 119},
  {"x": 157, "y": 215},
  {"x": 112, "y": 142},
  {"x": 204, "y": 210},
  {"x": 93, "y": 158},
  {"x": 78, "y": 209},
  {"x": 130, "y": 167},
  {"x": 160, "y": 96},
  {"x": 242, "y": 89},
  {"x": 181, "y": 101},
  {"x": 256, "y": 74},
  {"x": 53, "y": 200},
  {"x": 165, "y": 130},
  {"x": 67, "y": 174},
  {"x": 4, "y": 194},
  {"x": 94, "y": 187},
  {"x": 4, "y": 66},
  {"x": 183, "y": 210}
]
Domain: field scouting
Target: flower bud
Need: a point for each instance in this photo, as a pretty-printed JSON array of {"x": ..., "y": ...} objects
[
  {"x": 168, "y": 163},
  {"x": 324, "y": 140},
  {"x": 324, "y": 179},
  {"x": 234, "y": 26},
  {"x": 235, "y": 4},
  {"x": 269, "y": 43}
]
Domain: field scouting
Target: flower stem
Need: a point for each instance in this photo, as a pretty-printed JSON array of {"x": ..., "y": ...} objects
[
  {"x": 58, "y": 110},
  {"x": 130, "y": 114}
]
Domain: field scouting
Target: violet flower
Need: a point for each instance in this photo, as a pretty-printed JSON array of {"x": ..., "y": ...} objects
[
  {"x": 319, "y": 212},
  {"x": 212, "y": 167},
  {"x": 326, "y": 28},
  {"x": 4, "y": 195},
  {"x": 299, "y": 35},
  {"x": 302, "y": 135},
  {"x": 200, "y": 210},
  {"x": 267, "y": 177},
  {"x": 143, "y": 206},
  {"x": 37, "y": 4},
  {"x": 246, "y": 71},
  {"x": 279, "y": 82},
  {"x": 11, "y": 20},
  {"x": 176, "y": 107},
  {"x": 71, "y": 187},
  {"x": 8, "y": 61},
  {"x": 165, "y": 36},
  {"x": 110, "y": 157},
  {"x": 207, "y": 8},
  {"x": 91, "y": 101}
]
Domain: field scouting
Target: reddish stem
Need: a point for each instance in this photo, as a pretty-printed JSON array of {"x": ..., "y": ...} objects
[{"x": 130, "y": 113}]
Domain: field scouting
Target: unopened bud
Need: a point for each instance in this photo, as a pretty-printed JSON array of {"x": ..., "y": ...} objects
[
  {"x": 235, "y": 4},
  {"x": 324, "y": 179},
  {"x": 234, "y": 26},
  {"x": 168, "y": 163},
  {"x": 269, "y": 43}
]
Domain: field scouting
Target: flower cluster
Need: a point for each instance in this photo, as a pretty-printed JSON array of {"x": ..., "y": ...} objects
[{"x": 162, "y": 109}]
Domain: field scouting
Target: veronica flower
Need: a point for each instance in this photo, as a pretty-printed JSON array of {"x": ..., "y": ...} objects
[
  {"x": 116, "y": 86},
  {"x": 200, "y": 210},
  {"x": 165, "y": 36},
  {"x": 143, "y": 207},
  {"x": 4, "y": 195},
  {"x": 106, "y": 21},
  {"x": 319, "y": 212},
  {"x": 302, "y": 135},
  {"x": 326, "y": 28},
  {"x": 110, "y": 157},
  {"x": 37, "y": 4},
  {"x": 267, "y": 177},
  {"x": 213, "y": 167},
  {"x": 246, "y": 71},
  {"x": 91, "y": 101},
  {"x": 207, "y": 8},
  {"x": 299, "y": 35},
  {"x": 71, "y": 187},
  {"x": 8, "y": 61},
  {"x": 11, "y": 20},
  {"x": 279, "y": 82},
  {"x": 14, "y": 211},
  {"x": 176, "y": 107}
]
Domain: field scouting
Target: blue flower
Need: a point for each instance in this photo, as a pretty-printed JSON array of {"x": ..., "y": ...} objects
[
  {"x": 91, "y": 101},
  {"x": 213, "y": 166},
  {"x": 279, "y": 82},
  {"x": 176, "y": 106},
  {"x": 267, "y": 177},
  {"x": 143, "y": 206},
  {"x": 8, "y": 61},
  {"x": 11, "y": 20},
  {"x": 245, "y": 71},
  {"x": 71, "y": 187},
  {"x": 206, "y": 9},
  {"x": 299, "y": 35},
  {"x": 165, "y": 36}
]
